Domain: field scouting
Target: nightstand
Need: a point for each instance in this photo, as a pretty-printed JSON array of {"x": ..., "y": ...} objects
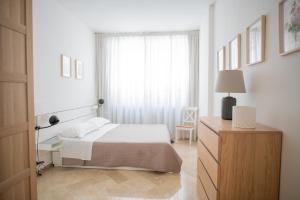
[{"x": 52, "y": 145}]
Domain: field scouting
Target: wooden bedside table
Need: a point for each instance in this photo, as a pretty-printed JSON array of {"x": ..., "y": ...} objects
[{"x": 237, "y": 164}]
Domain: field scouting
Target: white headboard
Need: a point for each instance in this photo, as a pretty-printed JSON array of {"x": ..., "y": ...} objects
[{"x": 66, "y": 119}]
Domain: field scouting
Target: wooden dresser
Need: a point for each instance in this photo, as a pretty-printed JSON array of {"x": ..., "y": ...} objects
[{"x": 237, "y": 164}]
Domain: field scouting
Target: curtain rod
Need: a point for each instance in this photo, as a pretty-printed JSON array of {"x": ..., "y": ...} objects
[{"x": 147, "y": 33}]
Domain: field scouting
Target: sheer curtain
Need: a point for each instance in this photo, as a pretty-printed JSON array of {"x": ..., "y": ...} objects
[{"x": 147, "y": 78}]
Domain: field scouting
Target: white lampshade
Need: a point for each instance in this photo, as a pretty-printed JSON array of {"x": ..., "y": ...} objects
[{"x": 230, "y": 81}]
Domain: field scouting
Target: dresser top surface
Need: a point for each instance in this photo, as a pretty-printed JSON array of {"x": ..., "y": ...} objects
[{"x": 219, "y": 125}]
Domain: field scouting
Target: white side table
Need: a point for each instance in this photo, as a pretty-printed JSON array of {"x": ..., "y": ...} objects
[{"x": 52, "y": 145}]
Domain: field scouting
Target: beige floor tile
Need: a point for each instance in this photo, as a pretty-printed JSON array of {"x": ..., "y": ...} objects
[{"x": 97, "y": 184}]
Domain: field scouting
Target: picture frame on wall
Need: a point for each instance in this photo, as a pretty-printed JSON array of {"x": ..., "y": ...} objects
[
  {"x": 66, "y": 70},
  {"x": 256, "y": 41},
  {"x": 78, "y": 69},
  {"x": 235, "y": 53},
  {"x": 289, "y": 26},
  {"x": 221, "y": 59}
]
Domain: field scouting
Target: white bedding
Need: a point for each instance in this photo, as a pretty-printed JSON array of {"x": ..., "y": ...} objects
[
  {"x": 81, "y": 148},
  {"x": 138, "y": 133}
]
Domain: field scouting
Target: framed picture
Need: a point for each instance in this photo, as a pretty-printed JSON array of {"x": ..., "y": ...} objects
[
  {"x": 221, "y": 61},
  {"x": 255, "y": 41},
  {"x": 235, "y": 53},
  {"x": 289, "y": 26},
  {"x": 65, "y": 66},
  {"x": 78, "y": 69}
]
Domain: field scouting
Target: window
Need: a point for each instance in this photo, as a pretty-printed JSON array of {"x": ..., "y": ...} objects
[{"x": 145, "y": 78}]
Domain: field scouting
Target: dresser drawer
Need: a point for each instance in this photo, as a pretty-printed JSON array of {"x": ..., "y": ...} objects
[
  {"x": 206, "y": 182},
  {"x": 201, "y": 191},
  {"x": 209, "y": 163},
  {"x": 210, "y": 139}
]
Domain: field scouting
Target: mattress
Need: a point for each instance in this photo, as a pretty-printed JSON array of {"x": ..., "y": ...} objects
[{"x": 133, "y": 145}]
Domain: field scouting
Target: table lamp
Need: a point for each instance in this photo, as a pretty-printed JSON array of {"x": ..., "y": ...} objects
[{"x": 229, "y": 81}]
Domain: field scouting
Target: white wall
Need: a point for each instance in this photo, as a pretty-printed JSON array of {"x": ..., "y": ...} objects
[
  {"x": 272, "y": 87},
  {"x": 56, "y": 31},
  {"x": 203, "y": 63},
  {"x": 206, "y": 46}
]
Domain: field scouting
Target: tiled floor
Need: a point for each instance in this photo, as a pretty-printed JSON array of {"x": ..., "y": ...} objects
[{"x": 89, "y": 184}]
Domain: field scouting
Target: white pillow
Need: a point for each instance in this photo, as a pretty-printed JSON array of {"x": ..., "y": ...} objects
[
  {"x": 99, "y": 121},
  {"x": 79, "y": 130}
]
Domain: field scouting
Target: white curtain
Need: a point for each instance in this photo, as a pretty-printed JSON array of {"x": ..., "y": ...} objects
[{"x": 148, "y": 78}]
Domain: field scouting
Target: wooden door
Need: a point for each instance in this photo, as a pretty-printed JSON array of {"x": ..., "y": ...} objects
[{"x": 17, "y": 146}]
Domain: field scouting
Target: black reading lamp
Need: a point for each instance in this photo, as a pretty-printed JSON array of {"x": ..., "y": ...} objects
[
  {"x": 53, "y": 120},
  {"x": 101, "y": 101}
]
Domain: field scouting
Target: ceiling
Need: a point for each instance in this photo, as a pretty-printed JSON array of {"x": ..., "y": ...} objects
[{"x": 138, "y": 15}]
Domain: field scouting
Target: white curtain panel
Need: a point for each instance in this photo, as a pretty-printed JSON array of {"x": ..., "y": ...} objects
[{"x": 148, "y": 77}]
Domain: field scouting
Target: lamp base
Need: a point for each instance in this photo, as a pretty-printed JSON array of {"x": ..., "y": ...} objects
[{"x": 227, "y": 104}]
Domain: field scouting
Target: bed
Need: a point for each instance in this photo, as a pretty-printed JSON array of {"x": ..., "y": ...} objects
[{"x": 134, "y": 146}]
